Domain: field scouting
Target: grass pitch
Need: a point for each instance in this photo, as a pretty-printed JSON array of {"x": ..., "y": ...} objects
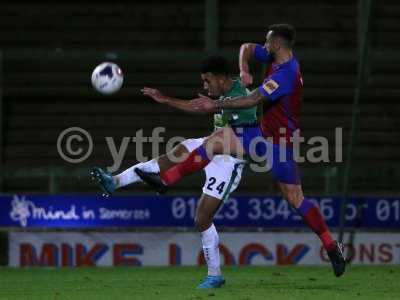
[{"x": 243, "y": 283}]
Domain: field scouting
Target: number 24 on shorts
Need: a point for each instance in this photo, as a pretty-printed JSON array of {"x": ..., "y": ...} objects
[{"x": 212, "y": 181}]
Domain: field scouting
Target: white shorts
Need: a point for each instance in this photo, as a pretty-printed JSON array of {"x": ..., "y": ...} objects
[{"x": 223, "y": 173}]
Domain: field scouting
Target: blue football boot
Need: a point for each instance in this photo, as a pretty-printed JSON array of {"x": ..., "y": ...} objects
[
  {"x": 212, "y": 282},
  {"x": 104, "y": 180}
]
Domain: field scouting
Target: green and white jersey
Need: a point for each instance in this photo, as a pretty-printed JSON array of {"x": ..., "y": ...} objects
[{"x": 237, "y": 116}]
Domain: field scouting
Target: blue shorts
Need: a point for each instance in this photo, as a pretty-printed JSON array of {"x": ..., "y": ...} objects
[{"x": 280, "y": 159}]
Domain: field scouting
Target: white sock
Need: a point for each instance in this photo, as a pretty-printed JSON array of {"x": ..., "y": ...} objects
[
  {"x": 129, "y": 176},
  {"x": 210, "y": 241}
]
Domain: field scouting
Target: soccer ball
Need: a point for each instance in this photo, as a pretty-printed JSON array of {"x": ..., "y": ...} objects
[{"x": 107, "y": 78}]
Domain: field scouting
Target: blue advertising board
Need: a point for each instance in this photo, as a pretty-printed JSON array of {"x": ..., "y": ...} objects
[{"x": 80, "y": 211}]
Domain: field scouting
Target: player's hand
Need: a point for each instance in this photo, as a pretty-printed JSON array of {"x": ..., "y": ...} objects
[
  {"x": 203, "y": 104},
  {"x": 246, "y": 79},
  {"x": 154, "y": 94}
]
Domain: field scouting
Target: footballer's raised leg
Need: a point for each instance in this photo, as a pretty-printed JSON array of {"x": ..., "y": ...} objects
[
  {"x": 109, "y": 183},
  {"x": 222, "y": 141}
]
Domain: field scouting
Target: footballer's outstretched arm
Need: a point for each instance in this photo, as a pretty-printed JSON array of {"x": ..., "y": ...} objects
[
  {"x": 182, "y": 105},
  {"x": 206, "y": 104},
  {"x": 173, "y": 102},
  {"x": 250, "y": 100}
]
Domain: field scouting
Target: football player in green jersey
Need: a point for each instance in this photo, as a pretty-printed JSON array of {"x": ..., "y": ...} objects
[{"x": 223, "y": 173}]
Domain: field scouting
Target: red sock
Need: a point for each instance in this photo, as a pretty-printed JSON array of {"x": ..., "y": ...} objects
[
  {"x": 195, "y": 162},
  {"x": 314, "y": 220}
]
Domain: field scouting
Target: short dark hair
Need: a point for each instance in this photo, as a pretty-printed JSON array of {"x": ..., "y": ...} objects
[
  {"x": 216, "y": 65},
  {"x": 284, "y": 31}
]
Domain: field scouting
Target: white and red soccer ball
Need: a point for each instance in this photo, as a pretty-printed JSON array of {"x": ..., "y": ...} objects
[{"x": 107, "y": 78}]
